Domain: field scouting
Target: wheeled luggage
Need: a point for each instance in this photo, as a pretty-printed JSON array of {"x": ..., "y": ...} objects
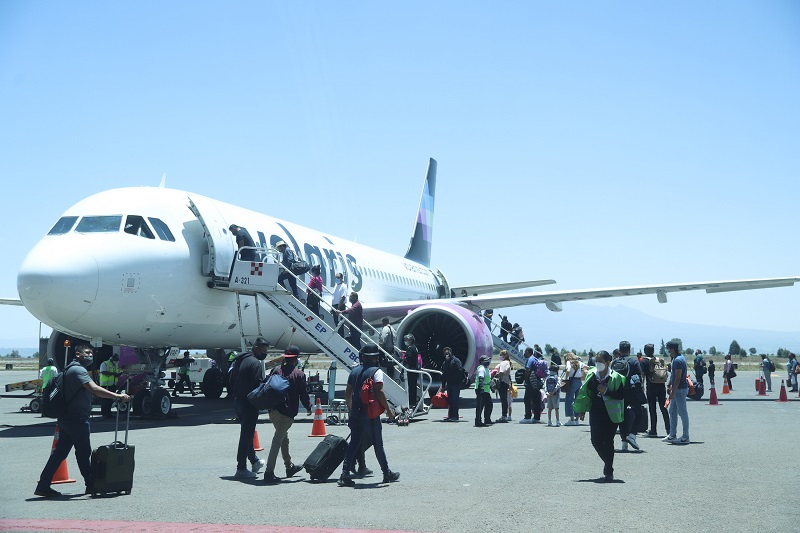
[
  {"x": 326, "y": 457},
  {"x": 112, "y": 465}
]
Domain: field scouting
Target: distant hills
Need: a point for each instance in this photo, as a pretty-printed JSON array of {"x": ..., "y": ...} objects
[{"x": 23, "y": 352}]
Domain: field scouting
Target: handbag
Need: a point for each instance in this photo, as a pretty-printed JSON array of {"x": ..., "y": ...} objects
[
  {"x": 299, "y": 268},
  {"x": 514, "y": 390},
  {"x": 439, "y": 400}
]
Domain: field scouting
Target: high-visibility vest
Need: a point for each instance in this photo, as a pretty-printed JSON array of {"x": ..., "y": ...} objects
[
  {"x": 108, "y": 381},
  {"x": 48, "y": 373}
]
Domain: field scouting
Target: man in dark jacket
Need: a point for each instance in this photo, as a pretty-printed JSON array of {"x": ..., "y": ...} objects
[
  {"x": 287, "y": 257},
  {"x": 452, "y": 374},
  {"x": 282, "y": 417},
  {"x": 356, "y": 316},
  {"x": 628, "y": 365},
  {"x": 361, "y": 425},
  {"x": 73, "y": 426},
  {"x": 247, "y": 373},
  {"x": 243, "y": 240},
  {"x": 411, "y": 361}
]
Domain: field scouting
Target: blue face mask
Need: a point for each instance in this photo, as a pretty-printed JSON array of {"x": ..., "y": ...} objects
[{"x": 338, "y": 281}]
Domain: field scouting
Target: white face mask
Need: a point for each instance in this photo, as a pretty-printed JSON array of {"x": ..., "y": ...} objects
[
  {"x": 601, "y": 367},
  {"x": 338, "y": 281}
]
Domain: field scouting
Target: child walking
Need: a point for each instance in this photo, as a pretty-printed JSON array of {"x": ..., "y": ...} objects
[{"x": 553, "y": 391}]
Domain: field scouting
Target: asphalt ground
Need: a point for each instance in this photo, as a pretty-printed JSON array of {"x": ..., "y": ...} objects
[{"x": 739, "y": 473}]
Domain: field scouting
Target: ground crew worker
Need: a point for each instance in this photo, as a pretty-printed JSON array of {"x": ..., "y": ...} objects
[
  {"x": 109, "y": 374},
  {"x": 183, "y": 376},
  {"x": 48, "y": 372}
]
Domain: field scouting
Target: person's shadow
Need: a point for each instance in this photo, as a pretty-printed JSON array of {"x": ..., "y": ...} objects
[{"x": 599, "y": 480}]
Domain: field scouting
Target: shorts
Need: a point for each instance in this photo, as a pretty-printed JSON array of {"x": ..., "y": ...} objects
[{"x": 553, "y": 401}]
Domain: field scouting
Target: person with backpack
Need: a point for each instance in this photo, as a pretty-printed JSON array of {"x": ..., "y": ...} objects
[
  {"x": 483, "y": 394},
  {"x": 767, "y": 368},
  {"x": 533, "y": 387},
  {"x": 601, "y": 396},
  {"x": 699, "y": 366},
  {"x": 791, "y": 369},
  {"x": 74, "y": 429},
  {"x": 366, "y": 383},
  {"x": 553, "y": 391},
  {"x": 728, "y": 371},
  {"x": 711, "y": 370},
  {"x": 629, "y": 367},
  {"x": 246, "y": 374},
  {"x": 282, "y": 416},
  {"x": 452, "y": 375},
  {"x": 656, "y": 374},
  {"x": 517, "y": 335}
]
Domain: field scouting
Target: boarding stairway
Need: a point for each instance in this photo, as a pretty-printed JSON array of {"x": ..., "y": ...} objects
[
  {"x": 516, "y": 353},
  {"x": 260, "y": 280}
]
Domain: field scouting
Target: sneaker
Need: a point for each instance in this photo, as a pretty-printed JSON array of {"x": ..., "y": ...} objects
[
  {"x": 624, "y": 446},
  {"x": 631, "y": 438},
  {"x": 391, "y": 477},
  {"x": 558, "y": 424},
  {"x": 270, "y": 477},
  {"x": 257, "y": 466},
  {"x": 292, "y": 470},
  {"x": 669, "y": 438},
  {"x": 346, "y": 481},
  {"x": 502, "y": 419},
  {"x": 526, "y": 421},
  {"x": 608, "y": 478},
  {"x": 362, "y": 471},
  {"x": 684, "y": 440},
  {"x": 480, "y": 425},
  {"x": 47, "y": 492},
  {"x": 488, "y": 423},
  {"x": 549, "y": 423},
  {"x": 243, "y": 473},
  {"x": 652, "y": 433}
]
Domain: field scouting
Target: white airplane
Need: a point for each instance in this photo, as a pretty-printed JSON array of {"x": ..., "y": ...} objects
[{"x": 137, "y": 267}]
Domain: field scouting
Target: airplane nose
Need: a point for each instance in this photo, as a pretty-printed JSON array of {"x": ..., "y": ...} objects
[{"x": 58, "y": 287}]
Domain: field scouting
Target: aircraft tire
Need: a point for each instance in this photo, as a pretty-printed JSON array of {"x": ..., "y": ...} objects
[
  {"x": 143, "y": 403},
  {"x": 162, "y": 403}
]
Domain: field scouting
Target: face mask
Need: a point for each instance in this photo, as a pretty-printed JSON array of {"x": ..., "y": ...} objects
[
  {"x": 87, "y": 361},
  {"x": 338, "y": 281},
  {"x": 601, "y": 367}
]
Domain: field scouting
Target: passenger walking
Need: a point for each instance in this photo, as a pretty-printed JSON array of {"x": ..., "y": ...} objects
[
  {"x": 533, "y": 388},
  {"x": 711, "y": 370},
  {"x": 488, "y": 315},
  {"x": 287, "y": 257},
  {"x": 766, "y": 370},
  {"x": 388, "y": 339},
  {"x": 362, "y": 425},
  {"x": 629, "y": 367},
  {"x": 314, "y": 291},
  {"x": 553, "y": 391},
  {"x": 505, "y": 327},
  {"x": 282, "y": 416},
  {"x": 792, "y": 368},
  {"x": 109, "y": 376},
  {"x": 73, "y": 427},
  {"x": 517, "y": 335},
  {"x": 483, "y": 393},
  {"x": 677, "y": 389},
  {"x": 656, "y": 375},
  {"x": 244, "y": 243},
  {"x": 728, "y": 371},
  {"x": 452, "y": 375},
  {"x": 504, "y": 384},
  {"x": 573, "y": 374},
  {"x": 356, "y": 316},
  {"x": 699, "y": 366},
  {"x": 412, "y": 360},
  {"x": 601, "y": 395},
  {"x": 338, "y": 301},
  {"x": 246, "y": 374}
]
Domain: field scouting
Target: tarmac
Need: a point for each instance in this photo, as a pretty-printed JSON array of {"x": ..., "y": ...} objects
[{"x": 739, "y": 473}]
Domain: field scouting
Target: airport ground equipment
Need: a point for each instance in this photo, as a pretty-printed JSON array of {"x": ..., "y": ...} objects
[
  {"x": 259, "y": 280},
  {"x": 35, "y": 385}
]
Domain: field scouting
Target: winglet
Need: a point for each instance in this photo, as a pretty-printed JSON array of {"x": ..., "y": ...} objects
[
  {"x": 419, "y": 249},
  {"x": 163, "y": 181}
]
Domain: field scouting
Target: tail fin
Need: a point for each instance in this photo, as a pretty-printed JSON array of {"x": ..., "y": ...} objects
[{"x": 419, "y": 249}]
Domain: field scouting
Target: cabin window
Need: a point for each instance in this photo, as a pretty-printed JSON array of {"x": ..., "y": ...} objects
[
  {"x": 135, "y": 225},
  {"x": 99, "y": 224},
  {"x": 162, "y": 230},
  {"x": 63, "y": 225}
]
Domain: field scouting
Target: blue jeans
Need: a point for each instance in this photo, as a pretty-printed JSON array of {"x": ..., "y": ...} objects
[
  {"x": 677, "y": 407},
  {"x": 248, "y": 418},
  {"x": 369, "y": 430},
  {"x": 572, "y": 390},
  {"x": 71, "y": 432}
]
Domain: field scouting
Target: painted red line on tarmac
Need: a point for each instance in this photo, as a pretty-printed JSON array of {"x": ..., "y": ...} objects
[{"x": 103, "y": 526}]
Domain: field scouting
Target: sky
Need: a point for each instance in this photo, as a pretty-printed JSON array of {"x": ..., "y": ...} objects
[{"x": 599, "y": 144}]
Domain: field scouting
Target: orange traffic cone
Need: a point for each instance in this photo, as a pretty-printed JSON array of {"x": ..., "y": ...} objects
[
  {"x": 256, "y": 445},
  {"x": 725, "y": 388},
  {"x": 318, "y": 428},
  {"x": 762, "y": 390},
  {"x": 713, "y": 400},
  {"x": 783, "y": 397},
  {"x": 61, "y": 475}
]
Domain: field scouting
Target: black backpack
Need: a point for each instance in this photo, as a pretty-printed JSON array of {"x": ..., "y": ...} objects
[
  {"x": 519, "y": 376},
  {"x": 54, "y": 400},
  {"x": 771, "y": 366}
]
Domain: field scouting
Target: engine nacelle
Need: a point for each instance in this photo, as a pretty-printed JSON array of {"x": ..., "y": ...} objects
[{"x": 435, "y": 326}]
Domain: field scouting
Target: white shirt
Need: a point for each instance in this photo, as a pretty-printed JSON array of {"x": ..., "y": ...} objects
[
  {"x": 339, "y": 292},
  {"x": 578, "y": 372}
]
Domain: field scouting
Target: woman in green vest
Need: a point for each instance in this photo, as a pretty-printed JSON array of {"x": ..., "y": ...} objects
[{"x": 601, "y": 396}]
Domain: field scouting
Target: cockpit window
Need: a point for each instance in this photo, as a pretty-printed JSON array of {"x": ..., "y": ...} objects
[
  {"x": 63, "y": 225},
  {"x": 135, "y": 225},
  {"x": 161, "y": 229},
  {"x": 100, "y": 224}
]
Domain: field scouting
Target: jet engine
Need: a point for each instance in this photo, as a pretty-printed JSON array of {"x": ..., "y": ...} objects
[{"x": 435, "y": 326}]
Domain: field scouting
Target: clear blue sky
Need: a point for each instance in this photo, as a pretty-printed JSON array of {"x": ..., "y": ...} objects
[{"x": 596, "y": 143}]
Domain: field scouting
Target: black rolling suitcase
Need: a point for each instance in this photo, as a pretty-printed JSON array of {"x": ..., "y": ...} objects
[
  {"x": 112, "y": 465},
  {"x": 326, "y": 458}
]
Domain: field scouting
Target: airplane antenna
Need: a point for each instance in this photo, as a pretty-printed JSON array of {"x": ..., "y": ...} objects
[{"x": 163, "y": 181}]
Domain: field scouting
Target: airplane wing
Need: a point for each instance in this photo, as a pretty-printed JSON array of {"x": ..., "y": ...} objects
[
  {"x": 476, "y": 290},
  {"x": 10, "y": 301},
  {"x": 553, "y": 299}
]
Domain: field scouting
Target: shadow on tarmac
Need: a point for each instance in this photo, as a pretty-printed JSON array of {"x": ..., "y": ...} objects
[{"x": 600, "y": 480}]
